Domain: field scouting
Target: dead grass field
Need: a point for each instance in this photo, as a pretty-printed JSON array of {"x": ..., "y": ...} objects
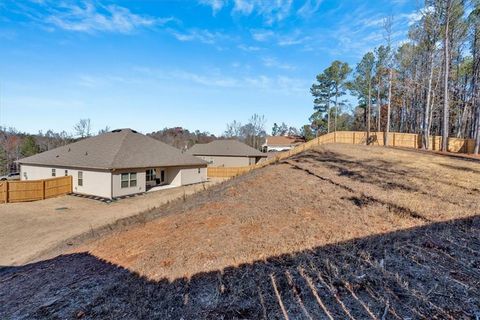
[{"x": 340, "y": 232}]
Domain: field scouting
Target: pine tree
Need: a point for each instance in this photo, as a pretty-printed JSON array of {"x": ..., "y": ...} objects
[{"x": 29, "y": 147}]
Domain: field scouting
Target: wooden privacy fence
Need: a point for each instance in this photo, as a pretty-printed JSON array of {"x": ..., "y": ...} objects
[
  {"x": 395, "y": 139},
  {"x": 31, "y": 190},
  {"x": 225, "y": 172}
]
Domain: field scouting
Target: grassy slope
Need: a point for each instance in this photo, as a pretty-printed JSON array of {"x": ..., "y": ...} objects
[{"x": 345, "y": 231}]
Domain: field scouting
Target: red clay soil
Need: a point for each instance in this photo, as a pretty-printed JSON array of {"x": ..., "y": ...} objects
[{"x": 347, "y": 232}]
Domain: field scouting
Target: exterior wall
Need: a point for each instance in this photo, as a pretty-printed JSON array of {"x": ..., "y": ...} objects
[
  {"x": 118, "y": 191},
  {"x": 95, "y": 182},
  {"x": 106, "y": 184},
  {"x": 225, "y": 161},
  {"x": 193, "y": 175},
  {"x": 174, "y": 176}
]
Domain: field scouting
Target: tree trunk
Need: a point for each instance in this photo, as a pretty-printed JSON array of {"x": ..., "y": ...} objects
[
  {"x": 336, "y": 109},
  {"x": 369, "y": 110},
  {"x": 475, "y": 92},
  {"x": 477, "y": 130},
  {"x": 426, "y": 120},
  {"x": 445, "y": 79},
  {"x": 389, "y": 103},
  {"x": 379, "y": 106},
  {"x": 328, "y": 114}
]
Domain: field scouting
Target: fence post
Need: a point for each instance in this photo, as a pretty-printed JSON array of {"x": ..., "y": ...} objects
[
  {"x": 43, "y": 189},
  {"x": 6, "y": 191},
  {"x": 71, "y": 183},
  {"x": 394, "y": 135},
  {"x": 353, "y": 137}
]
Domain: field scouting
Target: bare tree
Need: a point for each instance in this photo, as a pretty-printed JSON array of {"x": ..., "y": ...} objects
[
  {"x": 82, "y": 128},
  {"x": 446, "y": 69},
  {"x": 234, "y": 130},
  {"x": 104, "y": 130}
]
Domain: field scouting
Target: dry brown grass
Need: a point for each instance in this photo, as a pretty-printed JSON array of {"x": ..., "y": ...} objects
[
  {"x": 328, "y": 195},
  {"x": 343, "y": 232}
]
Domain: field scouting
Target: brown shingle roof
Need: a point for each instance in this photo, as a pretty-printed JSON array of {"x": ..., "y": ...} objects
[
  {"x": 283, "y": 141},
  {"x": 119, "y": 149},
  {"x": 225, "y": 148}
]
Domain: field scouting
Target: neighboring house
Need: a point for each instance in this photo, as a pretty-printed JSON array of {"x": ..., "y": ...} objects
[
  {"x": 227, "y": 153},
  {"x": 118, "y": 163},
  {"x": 281, "y": 143}
]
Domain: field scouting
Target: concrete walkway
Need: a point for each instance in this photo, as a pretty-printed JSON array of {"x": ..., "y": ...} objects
[{"x": 30, "y": 228}]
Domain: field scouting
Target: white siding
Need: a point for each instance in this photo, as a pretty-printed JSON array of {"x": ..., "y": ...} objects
[
  {"x": 95, "y": 182},
  {"x": 118, "y": 191},
  {"x": 193, "y": 175},
  {"x": 105, "y": 184},
  {"x": 174, "y": 176}
]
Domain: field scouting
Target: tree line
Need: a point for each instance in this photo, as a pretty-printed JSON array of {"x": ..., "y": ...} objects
[{"x": 428, "y": 85}]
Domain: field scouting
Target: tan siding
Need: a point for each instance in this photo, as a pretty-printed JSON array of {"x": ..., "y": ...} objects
[
  {"x": 225, "y": 161},
  {"x": 94, "y": 182},
  {"x": 193, "y": 175}
]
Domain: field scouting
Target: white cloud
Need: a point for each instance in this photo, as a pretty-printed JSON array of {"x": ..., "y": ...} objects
[
  {"x": 200, "y": 35},
  {"x": 293, "y": 39},
  {"x": 373, "y": 22},
  {"x": 249, "y": 48},
  {"x": 309, "y": 8},
  {"x": 216, "y": 5},
  {"x": 90, "y": 18},
  {"x": 271, "y": 11},
  {"x": 262, "y": 35},
  {"x": 216, "y": 79},
  {"x": 243, "y": 6},
  {"x": 412, "y": 17},
  {"x": 274, "y": 63}
]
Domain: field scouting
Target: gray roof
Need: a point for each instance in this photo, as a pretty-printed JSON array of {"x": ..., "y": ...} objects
[
  {"x": 118, "y": 149},
  {"x": 225, "y": 148}
]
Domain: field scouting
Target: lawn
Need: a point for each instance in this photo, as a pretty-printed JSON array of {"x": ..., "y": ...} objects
[{"x": 342, "y": 231}]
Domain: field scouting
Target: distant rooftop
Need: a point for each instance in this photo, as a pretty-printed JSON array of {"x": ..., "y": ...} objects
[
  {"x": 283, "y": 140},
  {"x": 225, "y": 148}
]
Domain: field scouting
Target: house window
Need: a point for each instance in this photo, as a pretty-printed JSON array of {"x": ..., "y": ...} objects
[
  {"x": 129, "y": 180},
  {"x": 80, "y": 178},
  {"x": 151, "y": 175},
  {"x": 198, "y": 170},
  {"x": 66, "y": 173},
  {"x": 54, "y": 173},
  {"x": 162, "y": 176},
  {"x": 125, "y": 177},
  {"x": 133, "y": 179}
]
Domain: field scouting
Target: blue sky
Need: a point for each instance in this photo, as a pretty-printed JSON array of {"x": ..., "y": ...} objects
[{"x": 196, "y": 64}]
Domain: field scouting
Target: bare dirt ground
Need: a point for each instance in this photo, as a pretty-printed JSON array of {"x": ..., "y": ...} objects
[
  {"x": 31, "y": 229},
  {"x": 340, "y": 232}
]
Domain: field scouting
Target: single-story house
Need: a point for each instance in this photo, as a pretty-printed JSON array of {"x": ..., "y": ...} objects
[
  {"x": 115, "y": 164},
  {"x": 227, "y": 153},
  {"x": 281, "y": 143}
]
